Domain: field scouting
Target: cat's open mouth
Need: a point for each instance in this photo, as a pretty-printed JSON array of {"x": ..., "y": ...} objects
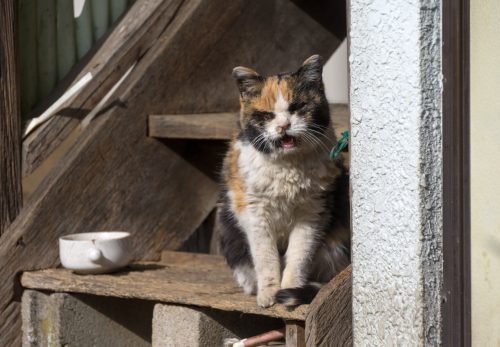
[{"x": 288, "y": 142}]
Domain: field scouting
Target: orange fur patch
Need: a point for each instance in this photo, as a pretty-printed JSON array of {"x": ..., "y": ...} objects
[
  {"x": 270, "y": 92},
  {"x": 235, "y": 181}
]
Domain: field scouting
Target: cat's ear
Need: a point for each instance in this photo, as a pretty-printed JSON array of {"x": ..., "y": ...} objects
[
  {"x": 311, "y": 69},
  {"x": 249, "y": 81}
]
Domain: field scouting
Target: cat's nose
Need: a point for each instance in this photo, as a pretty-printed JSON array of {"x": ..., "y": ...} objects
[{"x": 280, "y": 129}]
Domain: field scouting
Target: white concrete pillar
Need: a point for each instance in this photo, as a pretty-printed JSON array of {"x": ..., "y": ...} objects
[{"x": 396, "y": 165}]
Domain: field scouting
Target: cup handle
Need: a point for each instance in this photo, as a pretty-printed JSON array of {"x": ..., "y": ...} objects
[{"x": 94, "y": 254}]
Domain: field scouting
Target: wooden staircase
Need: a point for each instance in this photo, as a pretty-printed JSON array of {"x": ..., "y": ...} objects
[
  {"x": 116, "y": 177},
  {"x": 197, "y": 282}
]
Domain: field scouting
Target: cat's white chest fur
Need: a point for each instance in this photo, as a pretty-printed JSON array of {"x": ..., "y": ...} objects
[
  {"x": 284, "y": 178},
  {"x": 283, "y": 191}
]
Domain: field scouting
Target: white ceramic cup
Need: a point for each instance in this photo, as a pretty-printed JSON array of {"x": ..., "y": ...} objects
[{"x": 96, "y": 252}]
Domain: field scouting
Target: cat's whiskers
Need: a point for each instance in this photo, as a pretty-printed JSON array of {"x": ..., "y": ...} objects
[
  {"x": 320, "y": 142},
  {"x": 320, "y": 131},
  {"x": 306, "y": 131},
  {"x": 310, "y": 140},
  {"x": 259, "y": 140},
  {"x": 315, "y": 132}
]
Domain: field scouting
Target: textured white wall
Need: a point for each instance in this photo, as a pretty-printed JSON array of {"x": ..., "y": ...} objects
[
  {"x": 395, "y": 95},
  {"x": 485, "y": 170}
]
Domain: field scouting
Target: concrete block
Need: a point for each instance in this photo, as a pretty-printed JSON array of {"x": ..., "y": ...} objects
[
  {"x": 39, "y": 316},
  {"x": 68, "y": 320},
  {"x": 180, "y": 326},
  {"x": 183, "y": 326}
]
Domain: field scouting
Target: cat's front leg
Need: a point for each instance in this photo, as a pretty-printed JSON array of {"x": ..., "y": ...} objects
[
  {"x": 300, "y": 252},
  {"x": 266, "y": 259}
]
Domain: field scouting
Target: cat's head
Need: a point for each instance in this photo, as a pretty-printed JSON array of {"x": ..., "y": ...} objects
[{"x": 284, "y": 113}]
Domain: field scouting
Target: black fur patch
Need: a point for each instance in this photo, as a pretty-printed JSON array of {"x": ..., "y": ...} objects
[
  {"x": 321, "y": 116},
  {"x": 249, "y": 134},
  {"x": 233, "y": 242},
  {"x": 337, "y": 203},
  {"x": 297, "y": 296}
]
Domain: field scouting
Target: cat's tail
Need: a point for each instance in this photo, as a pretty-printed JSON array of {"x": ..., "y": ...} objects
[{"x": 298, "y": 295}]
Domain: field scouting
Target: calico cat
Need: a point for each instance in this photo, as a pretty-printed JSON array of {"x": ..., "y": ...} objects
[{"x": 284, "y": 209}]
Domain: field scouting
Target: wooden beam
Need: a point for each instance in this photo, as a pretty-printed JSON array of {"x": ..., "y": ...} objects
[
  {"x": 10, "y": 121},
  {"x": 295, "y": 334},
  {"x": 456, "y": 316},
  {"x": 220, "y": 126},
  {"x": 200, "y": 281},
  {"x": 114, "y": 176},
  {"x": 129, "y": 40},
  {"x": 208, "y": 126},
  {"x": 329, "y": 320}
]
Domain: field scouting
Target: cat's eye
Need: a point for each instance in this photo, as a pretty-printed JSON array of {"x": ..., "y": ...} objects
[
  {"x": 296, "y": 106},
  {"x": 263, "y": 115}
]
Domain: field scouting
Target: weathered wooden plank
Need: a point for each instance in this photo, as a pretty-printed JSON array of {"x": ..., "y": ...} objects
[
  {"x": 220, "y": 126},
  {"x": 191, "y": 259},
  {"x": 27, "y": 55},
  {"x": 295, "y": 334},
  {"x": 66, "y": 46},
  {"x": 200, "y": 239},
  {"x": 10, "y": 122},
  {"x": 114, "y": 176},
  {"x": 279, "y": 21},
  {"x": 205, "y": 283},
  {"x": 284, "y": 37},
  {"x": 46, "y": 47},
  {"x": 10, "y": 143},
  {"x": 133, "y": 36},
  {"x": 329, "y": 319}
]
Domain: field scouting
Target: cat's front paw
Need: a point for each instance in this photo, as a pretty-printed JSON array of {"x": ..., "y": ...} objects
[{"x": 267, "y": 297}]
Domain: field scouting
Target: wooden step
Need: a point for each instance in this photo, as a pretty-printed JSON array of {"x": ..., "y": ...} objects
[
  {"x": 220, "y": 126},
  {"x": 179, "y": 278}
]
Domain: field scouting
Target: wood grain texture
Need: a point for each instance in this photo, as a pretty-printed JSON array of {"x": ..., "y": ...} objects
[
  {"x": 269, "y": 36},
  {"x": 329, "y": 320},
  {"x": 284, "y": 30},
  {"x": 128, "y": 41},
  {"x": 221, "y": 126},
  {"x": 10, "y": 122},
  {"x": 209, "y": 126},
  {"x": 114, "y": 176},
  {"x": 10, "y": 151},
  {"x": 197, "y": 282},
  {"x": 294, "y": 334}
]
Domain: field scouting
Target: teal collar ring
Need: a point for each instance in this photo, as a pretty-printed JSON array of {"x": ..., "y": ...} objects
[{"x": 339, "y": 147}]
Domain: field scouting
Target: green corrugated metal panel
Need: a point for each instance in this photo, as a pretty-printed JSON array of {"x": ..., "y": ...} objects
[
  {"x": 27, "y": 54},
  {"x": 52, "y": 40},
  {"x": 100, "y": 14},
  {"x": 83, "y": 24},
  {"x": 117, "y": 8},
  {"x": 66, "y": 47},
  {"x": 46, "y": 46}
]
